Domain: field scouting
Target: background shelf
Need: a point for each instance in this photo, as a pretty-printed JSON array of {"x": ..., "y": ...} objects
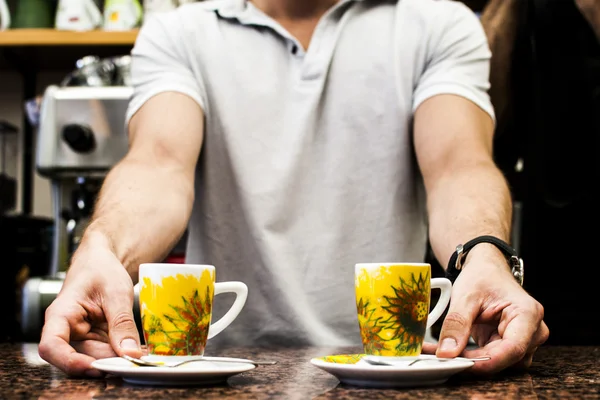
[
  {"x": 52, "y": 37},
  {"x": 50, "y": 49},
  {"x": 30, "y": 51}
]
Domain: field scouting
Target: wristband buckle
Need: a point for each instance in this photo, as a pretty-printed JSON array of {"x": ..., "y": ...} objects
[
  {"x": 517, "y": 269},
  {"x": 460, "y": 254}
]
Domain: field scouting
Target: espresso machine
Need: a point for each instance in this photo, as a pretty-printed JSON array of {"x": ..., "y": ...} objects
[{"x": 81, "y": 135}]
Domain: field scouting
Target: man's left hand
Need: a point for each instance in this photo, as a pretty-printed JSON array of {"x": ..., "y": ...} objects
[{"x": 489, "y": 305}]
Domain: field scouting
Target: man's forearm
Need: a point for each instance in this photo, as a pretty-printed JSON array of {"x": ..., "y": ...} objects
[
  {"x": 142, "y": 211},
  {"x": 467, "y": 203}
]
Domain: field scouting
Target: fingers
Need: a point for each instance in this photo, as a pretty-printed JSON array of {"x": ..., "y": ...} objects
[
  {"x": 94, "y": 349},
  {"x": 429, "y": 348},
  {"x": 456, "y": 328},
  {"x": 542, "y": 334},
  {"x": 54, "y": 348},
  {"x": 92, "y": 333},
  {"x": 484, "y": 333},
  {"x": 503, "y": 353},
  {"x": 539, "y": 338},
  {"x": 521, "y": 338},
  {"x": 122, "y": 330}
]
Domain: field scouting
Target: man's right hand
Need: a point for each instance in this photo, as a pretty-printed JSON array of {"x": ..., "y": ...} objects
[{"x": 92, "y": 316}]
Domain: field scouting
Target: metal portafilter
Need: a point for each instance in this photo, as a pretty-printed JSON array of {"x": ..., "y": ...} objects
[{"x": 93, "y": 71}]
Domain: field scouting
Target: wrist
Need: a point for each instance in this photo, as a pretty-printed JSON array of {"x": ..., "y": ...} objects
[
  {"x": 486, "y": 258},
  {"x": 482, "y": 247},
  {"x": 95, "y": 244},
  {"x": 94, "y": 236},
  {"x": 485, "y": 251}
]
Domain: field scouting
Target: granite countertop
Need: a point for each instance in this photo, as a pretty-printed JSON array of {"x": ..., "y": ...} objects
[{"x": 557, "y": 372}]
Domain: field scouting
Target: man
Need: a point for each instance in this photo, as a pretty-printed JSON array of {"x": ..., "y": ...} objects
[{"x": 295, "y": 138}]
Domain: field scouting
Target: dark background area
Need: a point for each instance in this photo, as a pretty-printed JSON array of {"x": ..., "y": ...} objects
[{"x": 551, "y": 128}]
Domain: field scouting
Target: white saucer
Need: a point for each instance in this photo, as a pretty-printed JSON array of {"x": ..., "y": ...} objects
[
  {"x": 351, "y": 370},
  {"x": 195, "y": 373}
]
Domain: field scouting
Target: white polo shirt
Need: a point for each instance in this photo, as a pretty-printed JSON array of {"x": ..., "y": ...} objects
[{"x": 308, "y": 166}]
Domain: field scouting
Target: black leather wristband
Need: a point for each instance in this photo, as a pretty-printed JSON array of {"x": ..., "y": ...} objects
[{"x": 456, "y": 260}]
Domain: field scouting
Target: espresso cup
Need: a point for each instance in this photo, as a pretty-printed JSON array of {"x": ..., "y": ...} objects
[
  {"x": 392, "y": 301},
  {"x": 176, "y": 307}
]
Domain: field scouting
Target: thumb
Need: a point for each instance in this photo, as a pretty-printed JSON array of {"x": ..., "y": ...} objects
[
  {"x": 456, "y": 328},
  {"x": 122, "y": 330}
]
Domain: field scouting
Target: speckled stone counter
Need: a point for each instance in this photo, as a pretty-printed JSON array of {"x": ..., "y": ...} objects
[{"x": 557, "y": 373}]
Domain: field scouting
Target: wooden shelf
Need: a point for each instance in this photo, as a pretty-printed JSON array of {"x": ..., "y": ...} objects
[{"x": 53, "y": 37}]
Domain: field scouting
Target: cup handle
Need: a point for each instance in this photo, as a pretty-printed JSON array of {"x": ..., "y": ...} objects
[
  {"x": 445, "y": 286},
  {"x": 241, "y": 294}
]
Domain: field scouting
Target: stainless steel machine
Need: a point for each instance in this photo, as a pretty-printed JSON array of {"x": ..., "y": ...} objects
[{"x": 81, "y": 135}]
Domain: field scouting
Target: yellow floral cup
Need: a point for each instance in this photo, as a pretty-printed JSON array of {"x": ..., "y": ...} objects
[
  {"x": 176, "y": 307},
  {"x": 392, "y": 301}
]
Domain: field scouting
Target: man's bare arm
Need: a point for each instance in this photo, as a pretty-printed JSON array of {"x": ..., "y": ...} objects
[
  {"x": 467, "y": 195},
  {"x": 146, "y": 200}
]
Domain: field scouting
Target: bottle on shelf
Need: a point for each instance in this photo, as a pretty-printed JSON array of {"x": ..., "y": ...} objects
[
  {"x": 122, "y": 15},
  {"x": 4, "y": 15},
  {"x": 78, "y": 15},
  {"x": 34, "y": 14}
]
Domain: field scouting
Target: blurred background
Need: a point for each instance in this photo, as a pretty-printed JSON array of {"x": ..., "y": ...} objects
[{"x": 64, "y": 88}]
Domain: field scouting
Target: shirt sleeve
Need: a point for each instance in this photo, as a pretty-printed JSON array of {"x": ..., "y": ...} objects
[
  {"x": 458, "y": 58},
  {"x": 160, "y": 63}
]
